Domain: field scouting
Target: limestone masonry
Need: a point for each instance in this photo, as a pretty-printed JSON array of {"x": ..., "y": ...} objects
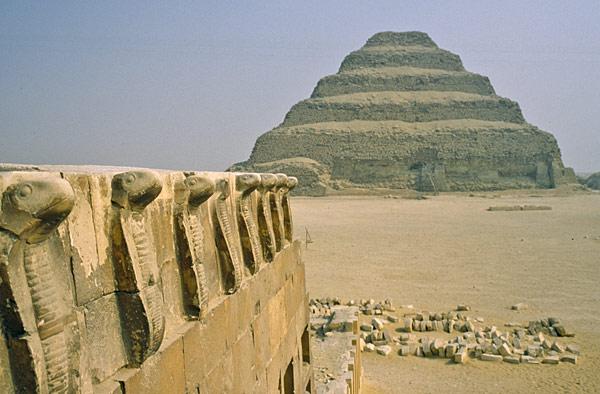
[
  {"x": 403, "y": 113},
  {"x": 118, "y": 280}
]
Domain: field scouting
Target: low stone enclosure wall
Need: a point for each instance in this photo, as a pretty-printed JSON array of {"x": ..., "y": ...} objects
[{"x": 139, "y": 281}]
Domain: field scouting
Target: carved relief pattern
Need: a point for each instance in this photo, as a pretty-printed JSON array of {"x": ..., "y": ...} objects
[
  {"x": 133, "y": 191},
  {"x": 50, "y": 315},
  {"x": 246, "y": 210},
  {"x": 225, "y": 217},
  {"x": 287, "y": 210},
  {"x": 268, "y": 218},
  {"x": 32, "y": 210},
  {"x": 145, "y": 267},
  {"x": 195, "y": 236}
]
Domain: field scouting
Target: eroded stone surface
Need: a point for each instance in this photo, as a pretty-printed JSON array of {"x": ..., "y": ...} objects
[
  {"x": 403, "y": 113},
  {"x": 102, "y": 269},
  {"x": 37, "y": 309}
]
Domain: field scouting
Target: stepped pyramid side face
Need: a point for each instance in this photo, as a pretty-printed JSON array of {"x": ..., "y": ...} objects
[{"x": 403, "y": 113}]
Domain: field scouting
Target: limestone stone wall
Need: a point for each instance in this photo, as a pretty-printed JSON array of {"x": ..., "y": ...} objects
[{"x": 117, "y": 280}]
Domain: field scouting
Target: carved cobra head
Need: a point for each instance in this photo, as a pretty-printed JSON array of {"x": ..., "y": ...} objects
[
  {"x": 135, "y": 189},
  {"x": 281, "y": 181},
  {"x": 292, "y": 182},
  {"x": 267, "y": 181},
  {"x": 200, "y": 187},
  {"x": 33, "y": 207},
  {"x": 247, "y": 182},
  {"x": 223, "y": 187}
]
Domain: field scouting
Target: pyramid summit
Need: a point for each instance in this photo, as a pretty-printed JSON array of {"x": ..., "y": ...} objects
[{"x": 402, "y": 113}]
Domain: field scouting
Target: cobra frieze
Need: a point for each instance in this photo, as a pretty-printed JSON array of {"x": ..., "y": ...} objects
[
  {"x": 32, "y": 258},
  {"x": 265, "y": 219},
  {"x": 246, "y": 184},
  {"x": 277, "y": 210},
  {"x": 287, "y": 211},
  {"x": 232, "y": 266},
  {"x": 132, "y": 192},
  {"x": 198, "y": 190}
]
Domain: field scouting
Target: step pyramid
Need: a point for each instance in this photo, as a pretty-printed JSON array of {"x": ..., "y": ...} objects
[{"x": 402, "y": 113}]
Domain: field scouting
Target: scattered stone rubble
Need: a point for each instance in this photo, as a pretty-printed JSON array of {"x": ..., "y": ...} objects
[
  {"x": 336, "y": 347},
  {"x": 461, "y": 337}
]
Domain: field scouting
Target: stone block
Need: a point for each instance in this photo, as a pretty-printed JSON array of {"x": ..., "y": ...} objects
[
  {"x": 437, "y": 346},
  {"x": 490, "y": 357},
  {"x": 504, "y": 350},
  {"x": 569, "y": 358},
  {"x": 108, "y": 387},
  {"x": 426, "y": 346},
  {"x": 162, "y": 372},
  {"x": 422, "y": 316},
  {"x": 558, "y": 347},
  {"x": 460, "y": 356},
  {"x": 560, "y": 330},
  {"x": 512, "y": 359},
  {"x": 551, "y": 360},
  {"x": 573, "y": 348},
  {"x": 89, "y": 224},
  {"x": 377, "y": 323},
  {"x": 244, "y": 365},
  {"x": 404, "y": 350},
  {"x": 451, "y": 350},
  {"x": 405, "y": 337},
  {"x": 526, "y": 359},
  {"x": 384, "y": 350},
  {"x": 260, "y": 327},
  {"x": 419, "y": 351},
  {"x": 416, "y": 325},
  {"x": 194, "y": 355},
  {"x": 534, "y": 350},
  {"x": 104, "y": 337}
]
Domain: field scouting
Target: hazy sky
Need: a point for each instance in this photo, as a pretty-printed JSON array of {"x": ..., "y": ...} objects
[{"x": 191, "y": 85}]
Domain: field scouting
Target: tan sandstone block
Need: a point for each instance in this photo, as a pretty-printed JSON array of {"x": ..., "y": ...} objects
[
  {"x": 244, "y": 367},
  {"x": 162, "y": 372},
  {"x": 216, "y": 336},
  {"x": 104, "y": 339},
  {"x": 194, "y": 356},
  {"x": 92, "y": 270}
]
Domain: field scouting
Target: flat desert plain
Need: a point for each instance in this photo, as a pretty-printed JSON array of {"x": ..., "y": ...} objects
[{"x": 448, "y": 249}]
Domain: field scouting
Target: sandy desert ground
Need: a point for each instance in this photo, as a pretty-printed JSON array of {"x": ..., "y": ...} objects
[{"x": 448, "y": 249}]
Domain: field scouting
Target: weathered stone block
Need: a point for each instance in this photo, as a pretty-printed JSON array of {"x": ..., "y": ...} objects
[
  {"x": 490, "y": 357},
  {"x": 512, "y": 359},
  {"x": 384, "y": 350},
  {"x": 162, "y": 372},
  {"x": 569, "y": 358},
  {"x": 551, "y": 360},
  {"x": 460, "y": 356}
]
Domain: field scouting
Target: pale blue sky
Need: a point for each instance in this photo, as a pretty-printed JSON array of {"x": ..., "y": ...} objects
[{"x": 191, "y": 85}]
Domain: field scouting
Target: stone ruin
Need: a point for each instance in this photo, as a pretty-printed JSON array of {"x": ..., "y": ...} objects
[
  {"x": 139, "y": 281},
  {"x": 453, "y": 335},
  {"x": 403, "y": 113}
]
